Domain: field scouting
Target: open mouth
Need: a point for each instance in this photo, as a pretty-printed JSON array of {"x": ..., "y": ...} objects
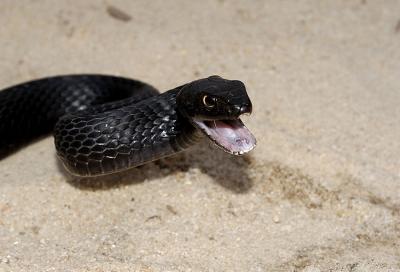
[{"x": 231, "y": 135}]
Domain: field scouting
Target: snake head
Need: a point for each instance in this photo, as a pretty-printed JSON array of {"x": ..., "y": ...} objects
[{"x": 214, "y": 106}]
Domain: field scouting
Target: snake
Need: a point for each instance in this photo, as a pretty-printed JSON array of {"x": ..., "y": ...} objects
[{"x": 104, "y": 124}]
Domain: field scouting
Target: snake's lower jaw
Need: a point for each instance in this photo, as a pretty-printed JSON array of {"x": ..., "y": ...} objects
[{"x": 231, "y": 135}]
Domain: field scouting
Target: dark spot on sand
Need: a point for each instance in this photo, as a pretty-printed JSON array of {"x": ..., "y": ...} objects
[
  {"x": 397, "y": 27},
  {"x": 35, "y": 229},
  {"x": 352, "y": 266},
  {"x": 118, "y": 14},
  {"x": 171, "y": 209},
  {"x": 153, "y": 217}
]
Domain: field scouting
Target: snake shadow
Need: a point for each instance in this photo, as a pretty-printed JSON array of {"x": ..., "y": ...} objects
[{"x": 231, "y": 172}]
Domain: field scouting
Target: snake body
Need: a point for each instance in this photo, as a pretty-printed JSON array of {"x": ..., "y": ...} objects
[{"x": 104, "y": 124}]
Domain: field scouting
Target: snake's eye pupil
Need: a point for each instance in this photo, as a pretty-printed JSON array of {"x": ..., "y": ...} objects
[{"x": 208, "y": 101}]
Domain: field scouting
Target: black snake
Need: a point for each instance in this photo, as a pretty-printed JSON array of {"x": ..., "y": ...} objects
[{"x": 104, "y": 124}]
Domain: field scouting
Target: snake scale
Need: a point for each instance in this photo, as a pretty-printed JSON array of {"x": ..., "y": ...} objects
[{"x": 103, "y": 124}]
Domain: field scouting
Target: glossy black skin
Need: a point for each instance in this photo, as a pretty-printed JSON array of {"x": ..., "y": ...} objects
[
  {"x": 214, "y": 98},
  {"x": 94, "y": 136},
  {"x": 31, "y": 109},
  {"x": 124, "y": 137}
]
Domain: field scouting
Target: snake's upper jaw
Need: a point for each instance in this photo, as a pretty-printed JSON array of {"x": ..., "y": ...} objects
[{"x": 231, "y": 135}]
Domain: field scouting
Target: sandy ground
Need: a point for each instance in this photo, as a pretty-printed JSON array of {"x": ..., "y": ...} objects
[{"x": 319, "y": 193}]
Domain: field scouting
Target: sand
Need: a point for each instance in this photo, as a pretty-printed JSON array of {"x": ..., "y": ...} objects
[{"x": 319, "y": 193}]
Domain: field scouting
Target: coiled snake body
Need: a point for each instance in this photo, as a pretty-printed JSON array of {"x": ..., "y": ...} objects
[{"x": 103, "y": 124}]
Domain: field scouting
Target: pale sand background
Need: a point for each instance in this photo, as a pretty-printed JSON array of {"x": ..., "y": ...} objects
[{"x": 320, "y": 191}]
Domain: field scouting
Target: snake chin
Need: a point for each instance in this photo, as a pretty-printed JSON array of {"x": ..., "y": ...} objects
[{"x": 230, "y": 135}]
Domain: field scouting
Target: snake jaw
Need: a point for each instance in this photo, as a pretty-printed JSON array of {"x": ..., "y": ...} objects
[{"x": 230, "y": 135}]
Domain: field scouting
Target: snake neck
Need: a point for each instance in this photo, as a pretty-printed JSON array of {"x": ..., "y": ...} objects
[
  {"x": 125, "y": 137},
  {"x": 180, "y": 131}
]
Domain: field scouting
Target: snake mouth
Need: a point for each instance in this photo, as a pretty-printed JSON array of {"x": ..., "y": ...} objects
[{"x": 230, "y": 135}]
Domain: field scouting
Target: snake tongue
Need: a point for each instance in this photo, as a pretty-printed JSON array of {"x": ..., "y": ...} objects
[{"x": 230, "y": 135}]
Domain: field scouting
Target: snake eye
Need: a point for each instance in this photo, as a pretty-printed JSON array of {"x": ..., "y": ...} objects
[{"x": 208, "y": 101}]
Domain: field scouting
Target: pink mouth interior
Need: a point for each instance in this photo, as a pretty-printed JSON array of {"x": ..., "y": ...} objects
[{"x": 231, "y": 135}]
